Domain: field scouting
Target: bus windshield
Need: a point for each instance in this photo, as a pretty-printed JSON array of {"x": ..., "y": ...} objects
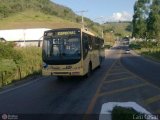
[{"x": 61, "y": 49}]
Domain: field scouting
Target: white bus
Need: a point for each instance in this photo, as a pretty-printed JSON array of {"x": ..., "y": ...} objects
[{"x": 71, "y": 52}]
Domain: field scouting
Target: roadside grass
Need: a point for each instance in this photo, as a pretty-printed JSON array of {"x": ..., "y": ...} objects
[
  {"x": 33, "y": 19},
  {"x": 147, "y": 49},
  {"x": 13, "y": 68},
  {"x": 121, "y": 113},
  {"x": 152, "y": 53}
]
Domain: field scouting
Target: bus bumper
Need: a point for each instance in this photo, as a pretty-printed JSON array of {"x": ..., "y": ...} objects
[{"x": 62, "y": 73}]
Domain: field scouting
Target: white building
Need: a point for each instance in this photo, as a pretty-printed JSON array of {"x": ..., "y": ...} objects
[{"x": 24, "y": 37}]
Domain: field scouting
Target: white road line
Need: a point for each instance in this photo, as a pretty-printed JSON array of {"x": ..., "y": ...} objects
[{"x": 20, "y": 86}]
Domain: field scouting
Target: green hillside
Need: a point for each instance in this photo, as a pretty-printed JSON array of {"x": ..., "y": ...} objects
[
  {"x": 16, "y": 14},
  {"x": 40, "y": 13},
  {"x": 10, "y": 7},
  {"x": 34, "y": 19},
  {"x": 119, "y": 28},
  {"x": 35, "y": 13}
]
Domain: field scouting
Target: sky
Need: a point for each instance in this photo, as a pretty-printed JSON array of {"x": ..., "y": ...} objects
[{"x": 101, "y": 10}]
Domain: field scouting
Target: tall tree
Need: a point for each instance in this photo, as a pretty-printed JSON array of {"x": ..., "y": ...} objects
[
  {"x": 139, "y": 18},
  {"x": 153, "y": 20}
]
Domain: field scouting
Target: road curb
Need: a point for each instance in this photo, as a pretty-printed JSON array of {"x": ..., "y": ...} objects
[{"x": 145, "y": 57}]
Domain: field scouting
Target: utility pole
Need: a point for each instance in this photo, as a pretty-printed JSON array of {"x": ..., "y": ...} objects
[
  {"x": 82, "y": 15},
  {"x": 101, "y": 18},
  {"x": 24, "y": 37}
]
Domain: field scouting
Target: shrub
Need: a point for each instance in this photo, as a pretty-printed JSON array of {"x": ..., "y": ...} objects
[
  {"x": 121, "y": 113},
  {"x": 17, "y": 63}
]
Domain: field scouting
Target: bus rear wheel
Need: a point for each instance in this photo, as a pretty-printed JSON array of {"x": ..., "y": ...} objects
[
  {"x": 100, "y": 62},
  {"x": 89, "y": 70}
]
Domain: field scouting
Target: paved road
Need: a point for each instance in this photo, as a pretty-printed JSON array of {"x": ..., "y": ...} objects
[
  {"x": 145, "y": 68},
  {"x": 113, "y": 82}
]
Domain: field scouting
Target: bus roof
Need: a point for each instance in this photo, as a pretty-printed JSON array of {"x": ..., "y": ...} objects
[
  {"x": 63, "y": 29},
  {"x": 86, "y": 31}
]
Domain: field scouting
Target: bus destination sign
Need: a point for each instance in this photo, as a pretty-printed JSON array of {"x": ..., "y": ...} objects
[{"x": 66, "y": 33}]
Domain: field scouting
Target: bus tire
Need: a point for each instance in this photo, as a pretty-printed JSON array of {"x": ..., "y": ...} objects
[
  {"x": 89, "y": 70},
  {"x": 100, "y": 61}
]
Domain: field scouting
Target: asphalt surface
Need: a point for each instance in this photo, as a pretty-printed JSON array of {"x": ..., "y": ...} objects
[
  {"x": 145, "y": 68},
  {"x": 121, "y": 78}
]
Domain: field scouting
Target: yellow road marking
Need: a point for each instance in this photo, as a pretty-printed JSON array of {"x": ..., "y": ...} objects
[
  {"x": 123, "y": 89},
  {"x": 93, "y": 101},
  {"x": 117, "y": 80},
  {"x": 119, "y": 69},
  {"x": 118, "y": 73},
  {"x": 97, "y": 94},
  {"x": 91, "y": 105},
  {"x": 117, "y": 65},
  {"x": 151, "y": 100},
  {"x": 136, "y": 76}
]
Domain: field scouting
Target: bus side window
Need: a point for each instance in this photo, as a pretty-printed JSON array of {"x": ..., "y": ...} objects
[
  {"x": 95, "y": 43},
  {"x": 85, "y": 44},
  {"x": 90, "y": 39}
]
